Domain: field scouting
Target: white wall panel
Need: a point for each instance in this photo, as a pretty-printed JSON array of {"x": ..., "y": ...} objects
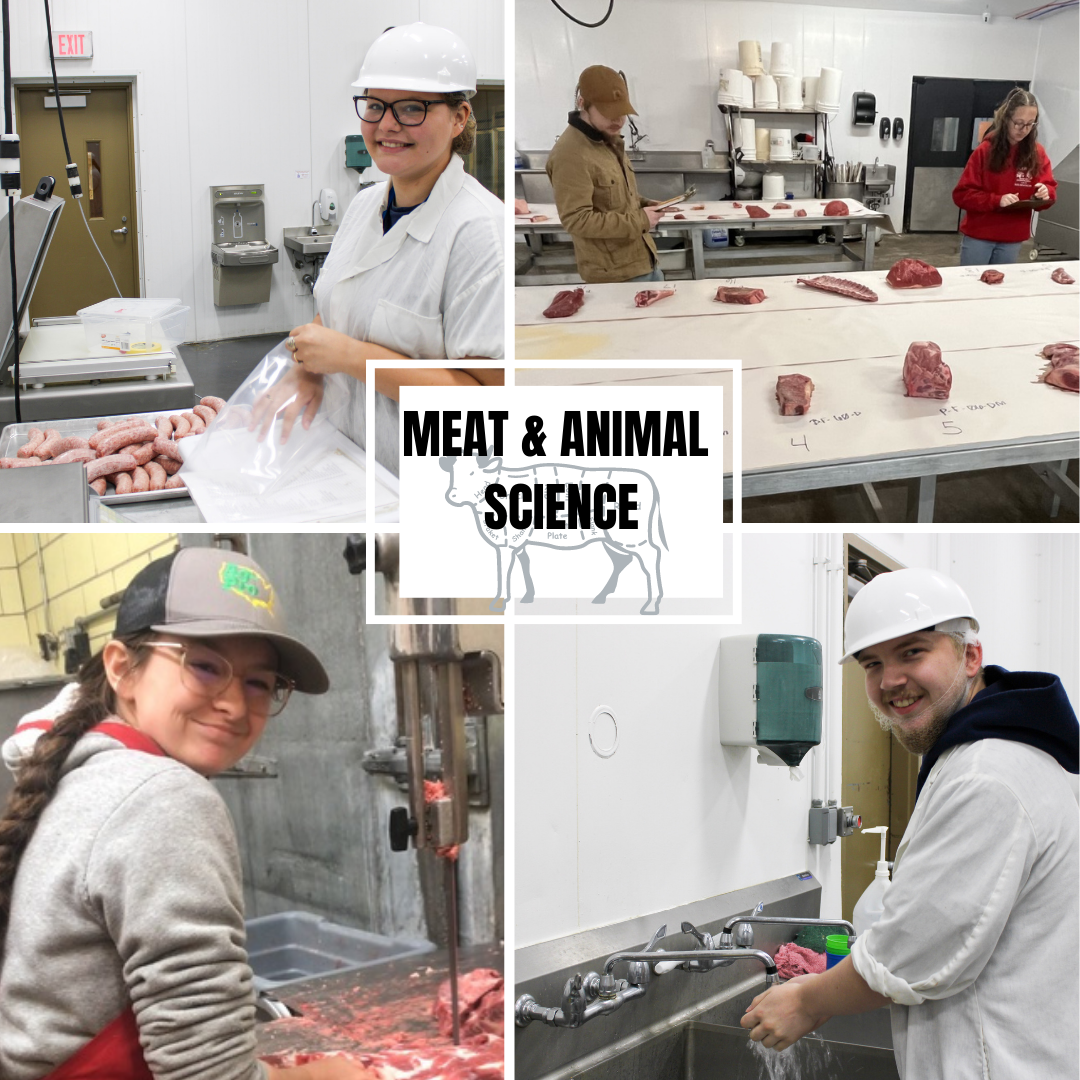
[
  {"x": 672, "y": 52},
  {"x": 1057, "y": 83},
  {"x": 253, "y": 91}
]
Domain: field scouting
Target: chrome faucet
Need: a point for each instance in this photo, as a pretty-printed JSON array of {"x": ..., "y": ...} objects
[
  {"x": 592, "y": 995},
  {"x": 744, "y": 935}
]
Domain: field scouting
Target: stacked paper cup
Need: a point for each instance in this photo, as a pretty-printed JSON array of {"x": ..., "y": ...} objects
[
  {"x": 783, "y": 59},
  {"x": 731, "y": 87},
  {"x": 790, "y": 92},
  {"x": 765, "y": 95},
  {"x": 828, "y": 91},
  {"x": 761, "y": 140},
  {"x": 780, "y": 144},
  {"x": 748, "y": 139},
  {"x": 750, "y": 57}
]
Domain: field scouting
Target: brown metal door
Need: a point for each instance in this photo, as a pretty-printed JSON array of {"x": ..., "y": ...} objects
[{"x": 100, "y": 138}]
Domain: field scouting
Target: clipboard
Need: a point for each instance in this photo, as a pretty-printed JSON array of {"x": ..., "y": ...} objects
[{"x": 1029, "y": 204}]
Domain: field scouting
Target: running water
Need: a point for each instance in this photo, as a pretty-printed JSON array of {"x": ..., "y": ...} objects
[{"x": 808, "y": 1059}]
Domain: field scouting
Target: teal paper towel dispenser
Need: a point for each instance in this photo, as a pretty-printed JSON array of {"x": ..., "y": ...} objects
[{"x": 770, "y": 695}]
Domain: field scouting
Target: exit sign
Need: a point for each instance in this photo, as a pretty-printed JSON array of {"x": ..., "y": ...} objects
[{"x": 72, "y": 44}]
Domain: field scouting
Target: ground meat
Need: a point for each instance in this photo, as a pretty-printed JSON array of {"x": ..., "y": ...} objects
[
  {"x": 836, "y": 208},
  {"x": 992, "y": 277},
  {"x": 926, "y": 375},
  {"x": 793, "y": 393},
  {"x": 480, "y": 1004},
  {"x": 913, "y": 274},
  {"x": 479, "y": 1059},
  {"x": 565, "y": 303},
  {"x": 433, "y": 791},
  {"x": 1061, "y": 277},
  {"x": 793, "y": 960},
  {"x": 739, "y": 294}
]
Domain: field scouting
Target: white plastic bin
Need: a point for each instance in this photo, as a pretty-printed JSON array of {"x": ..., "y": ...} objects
[{"x": 137, "y": 325}]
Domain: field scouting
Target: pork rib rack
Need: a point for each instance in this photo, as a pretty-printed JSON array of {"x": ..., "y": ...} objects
[{"x": 842, "y": 286}]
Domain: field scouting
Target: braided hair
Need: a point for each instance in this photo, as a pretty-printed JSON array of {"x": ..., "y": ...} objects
[
  {"x": 37, "y": 780},
  {"x": 1027, "y": 156}
]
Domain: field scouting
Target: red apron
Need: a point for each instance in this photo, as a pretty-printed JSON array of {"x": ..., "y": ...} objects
[{"x": 114, "y": 1053}]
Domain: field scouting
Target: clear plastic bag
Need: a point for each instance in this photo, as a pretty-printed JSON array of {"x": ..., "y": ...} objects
[{"x": 257, "y": 463}]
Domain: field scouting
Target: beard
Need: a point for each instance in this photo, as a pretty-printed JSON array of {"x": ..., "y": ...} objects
[{"x": 932, "y": 720}]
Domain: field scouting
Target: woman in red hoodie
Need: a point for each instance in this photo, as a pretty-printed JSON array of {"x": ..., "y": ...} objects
[{"x": 1007, "y": 167}]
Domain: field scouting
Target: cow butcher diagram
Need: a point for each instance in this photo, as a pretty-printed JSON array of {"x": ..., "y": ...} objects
[{"x": 470, "y": 478}]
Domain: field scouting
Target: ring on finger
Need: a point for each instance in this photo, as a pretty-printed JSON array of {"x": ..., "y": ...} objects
[{"x": 290, "y": 343}]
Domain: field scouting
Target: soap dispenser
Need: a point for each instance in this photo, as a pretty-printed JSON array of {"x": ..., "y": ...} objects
[{"x": 869, "y": 906}]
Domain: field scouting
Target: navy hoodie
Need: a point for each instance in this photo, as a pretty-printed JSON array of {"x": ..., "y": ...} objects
[{"x": 1025, "y": 706}]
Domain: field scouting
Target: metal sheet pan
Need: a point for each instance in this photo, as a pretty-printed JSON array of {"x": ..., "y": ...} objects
[{"x": 15, "y": 435}]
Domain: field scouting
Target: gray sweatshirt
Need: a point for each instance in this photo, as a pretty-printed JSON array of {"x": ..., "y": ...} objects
[{"x": 129, "y": 895}]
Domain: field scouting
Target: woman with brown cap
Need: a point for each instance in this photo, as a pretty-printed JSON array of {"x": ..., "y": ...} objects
[
  {"x": 121, "y": 918},
  {"x": 595, "y": 190}
]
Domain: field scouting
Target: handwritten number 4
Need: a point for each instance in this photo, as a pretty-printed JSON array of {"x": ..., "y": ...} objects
[{"x": 803, "y": 444}]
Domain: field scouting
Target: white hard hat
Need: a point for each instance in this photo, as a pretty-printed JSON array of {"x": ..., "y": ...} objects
[
  {"x": 418, "y": 57},
  {"x": 904, "y": 602}
]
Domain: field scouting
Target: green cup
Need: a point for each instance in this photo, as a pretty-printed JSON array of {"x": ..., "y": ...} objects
[{"x": 836, "y": 948}]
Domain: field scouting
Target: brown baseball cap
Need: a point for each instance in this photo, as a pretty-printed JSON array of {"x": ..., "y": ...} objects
[
  {"x": 605, "y": 89},
  {"x": 203, "y": 592}
]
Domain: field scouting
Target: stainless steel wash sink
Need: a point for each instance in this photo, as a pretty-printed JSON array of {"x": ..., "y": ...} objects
[
  {"x": 698, "y": 1051},
  {"x": 300, "y": 241}
]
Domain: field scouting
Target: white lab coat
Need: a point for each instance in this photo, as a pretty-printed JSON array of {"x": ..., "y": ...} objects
[
  {"x": 978, "y": 942},
  {"x": 431, "y": 288}
]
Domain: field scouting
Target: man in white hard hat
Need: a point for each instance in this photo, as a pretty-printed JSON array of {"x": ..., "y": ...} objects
[
  {"x": 416, "y": 270},
  {"x": 976, "y": 949},
  {"x": 595, "y": 190}
]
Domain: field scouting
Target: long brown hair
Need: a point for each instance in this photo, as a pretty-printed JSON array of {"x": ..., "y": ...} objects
[
  {"x": 1027, "y": 156},
  {"x": 37, "y": 779},
  {"x": 463, "y": 143}
]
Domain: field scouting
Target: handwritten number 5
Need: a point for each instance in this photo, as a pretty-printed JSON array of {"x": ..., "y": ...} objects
[{"x": 951, "y": 428}]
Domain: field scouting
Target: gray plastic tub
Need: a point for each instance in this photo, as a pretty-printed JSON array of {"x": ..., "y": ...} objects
[{"x": 296, "y": 945}]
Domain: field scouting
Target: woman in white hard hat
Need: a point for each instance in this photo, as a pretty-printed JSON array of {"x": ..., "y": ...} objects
[
  {"x": 416, "y": 269},
  {"x": 983, "y": 909}
]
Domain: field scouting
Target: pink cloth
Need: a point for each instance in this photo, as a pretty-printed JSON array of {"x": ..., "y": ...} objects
[{"x": 792, "y": 960}]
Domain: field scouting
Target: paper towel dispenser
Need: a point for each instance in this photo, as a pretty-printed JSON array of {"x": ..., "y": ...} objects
[
  {"x": 863, "y": 109},
  {"x": 770, "y": 695}
]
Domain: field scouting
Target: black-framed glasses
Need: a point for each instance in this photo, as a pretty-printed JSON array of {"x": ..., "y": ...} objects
[
  {"x": 204, "y": 671},
  {"x": 1024, "y": 125},
  {"x": 410, "y": 112}
]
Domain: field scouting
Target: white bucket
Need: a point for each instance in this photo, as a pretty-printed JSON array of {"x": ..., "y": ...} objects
[
  {"x": 747, "y": 92},
  {"x": 731, "y": 86},
  {"x": 790, "y": 92},
  {"x": 761, "y": 139},
  {"x": 750, "y": 57},
  {"x": 748, "y": 139},
  {"x": 809, "y": 91},
  {"x": 715, "y": 238},
  {"x": 783, "y": 59},
  {"x": 772, "y": 187},
  {"x": 828, "y": 91},
  {"x": 780, "y": 144},
  {"x": 765, "y": 95}
]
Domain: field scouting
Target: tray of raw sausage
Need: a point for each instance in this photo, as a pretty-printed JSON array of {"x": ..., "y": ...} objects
[{"x": 128, "y": 459}]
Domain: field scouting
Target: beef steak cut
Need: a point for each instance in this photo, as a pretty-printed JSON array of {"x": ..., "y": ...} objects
[
  {"x": 565, "y": 303},
  {"x": 926, "y": 375},
  {"x": 739, "y": 294},
  {"x": 836, "y": 208},
  {"x": 992, "y": 277},
  {"x": 913, "y": 274},
  {"x": 757, "y": 212},
  {"x": 793, "y": 393},
  {"x": 1061, "y": 277},
  {"x": 647, "y": 297}
]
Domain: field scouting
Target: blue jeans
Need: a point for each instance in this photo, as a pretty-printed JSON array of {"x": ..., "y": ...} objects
[
  {"x": 655, "y": 274},
  {"x": 986, "y": 252}
]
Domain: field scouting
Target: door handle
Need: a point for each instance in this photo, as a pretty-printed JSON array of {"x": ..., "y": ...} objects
[{"x": 120, "y": 232}]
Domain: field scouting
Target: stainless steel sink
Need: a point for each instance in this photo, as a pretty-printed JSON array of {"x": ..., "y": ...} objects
[
  {"x": 698, "y": 1051},
  {"x": 300, "y": 241}
]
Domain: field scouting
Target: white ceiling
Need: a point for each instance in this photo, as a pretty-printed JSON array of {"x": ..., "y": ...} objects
[{"x": 1004, "y": 9}]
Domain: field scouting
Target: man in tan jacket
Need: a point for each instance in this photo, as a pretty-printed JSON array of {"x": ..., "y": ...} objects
[{"x": 595, "y": 190}]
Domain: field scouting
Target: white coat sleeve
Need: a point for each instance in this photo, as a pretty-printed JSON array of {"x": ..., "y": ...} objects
[
  {"x": 473, "y": 302},
  {"x": 164, "y": 878},
  {"x": 954, "y": 891}
]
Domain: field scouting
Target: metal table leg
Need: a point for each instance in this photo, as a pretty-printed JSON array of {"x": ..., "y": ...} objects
[
  {"x": 924, "y": 502},
  {"x": 870, "y": 236},
  {"x": 697, "y": 247}
]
